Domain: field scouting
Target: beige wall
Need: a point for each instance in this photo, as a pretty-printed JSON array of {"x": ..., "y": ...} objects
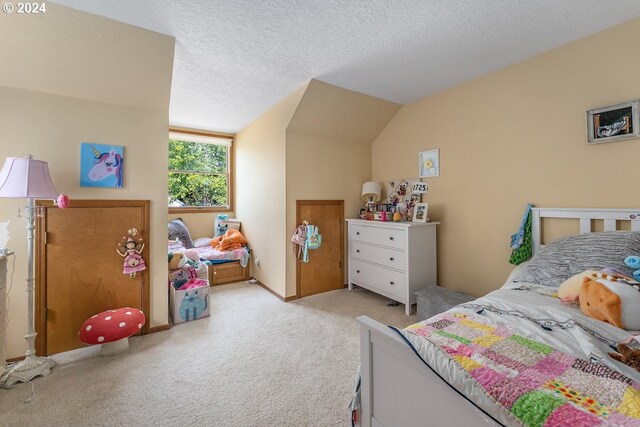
[
  {"x": 260, "y": 184},
  {"x": 62, "y": 75},
  {"x": 51, "y": 128},
  {"x": 328, "y": 154},
  {"x": 517, "y": 135}
]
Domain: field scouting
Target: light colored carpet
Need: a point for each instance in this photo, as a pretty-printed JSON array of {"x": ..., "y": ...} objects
[{"x": 255, "y": 362}]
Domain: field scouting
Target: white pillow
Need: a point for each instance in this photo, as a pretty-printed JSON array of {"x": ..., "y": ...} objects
[{"x": 202, "y": 242}]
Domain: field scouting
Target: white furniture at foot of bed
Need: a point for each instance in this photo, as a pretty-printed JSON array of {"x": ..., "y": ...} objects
[{"x": 398, "y": 390}]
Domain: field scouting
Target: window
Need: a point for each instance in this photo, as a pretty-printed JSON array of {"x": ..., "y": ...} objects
[{"x": 199, "y": 172}]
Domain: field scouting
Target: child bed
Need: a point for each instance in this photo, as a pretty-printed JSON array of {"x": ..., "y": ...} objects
[
  {"x": 546, "y": 349},
  {"x": 223, "y": 267}
]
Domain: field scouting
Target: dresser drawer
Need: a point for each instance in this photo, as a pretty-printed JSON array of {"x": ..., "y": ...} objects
[
  {"x": 388, "y": 257},
  {"x": 377, "y": 236},
  {"x": 391, "y": 282}
]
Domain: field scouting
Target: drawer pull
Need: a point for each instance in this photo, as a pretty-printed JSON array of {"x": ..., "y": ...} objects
[
  {"x": 357, "y": 233},
  {"x": 391, "y": 259},
  {"x": 357, "y": 271},
  {"x": 391, "y": 283},
  {"x": 391, "y": 238},
  {"x": 358, "y": 250}
]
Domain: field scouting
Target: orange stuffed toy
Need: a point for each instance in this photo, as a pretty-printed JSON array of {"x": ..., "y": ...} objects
[
  {"x": 597, "y": 301},
  {"x": 611, "y": 299}
]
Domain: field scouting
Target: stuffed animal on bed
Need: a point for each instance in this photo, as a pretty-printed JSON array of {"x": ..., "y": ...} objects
[
  {"x": 628, "y": 356},
  {"x": 634, "y": 262},
  {"x": 612, "y": 299},
  {"x": 569, "y": 290},
  {"x": 177, "y": 260}
]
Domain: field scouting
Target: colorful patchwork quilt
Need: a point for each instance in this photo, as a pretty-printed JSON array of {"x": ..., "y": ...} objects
[{"x": 535, "y": 383}]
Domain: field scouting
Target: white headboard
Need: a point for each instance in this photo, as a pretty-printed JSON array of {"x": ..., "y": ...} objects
[{"x": 585, "y": 215}]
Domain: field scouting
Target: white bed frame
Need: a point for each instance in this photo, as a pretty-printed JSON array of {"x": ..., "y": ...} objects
[{"x": 398, "y": 390}]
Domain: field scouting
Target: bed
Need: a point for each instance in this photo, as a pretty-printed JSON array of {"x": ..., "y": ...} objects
[
  {"x": 406, "y": 379},
  {"x": 222, "y": 266}
]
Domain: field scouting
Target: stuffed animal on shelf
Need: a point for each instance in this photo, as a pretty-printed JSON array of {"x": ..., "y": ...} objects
[
  {"x": 629, "y": 356},
  {"x": 611, "y": 298},
  {"x": 634, "y": 262}
]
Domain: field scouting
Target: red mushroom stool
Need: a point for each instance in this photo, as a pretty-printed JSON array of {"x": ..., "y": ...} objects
[{"x": 112, "y": 329}]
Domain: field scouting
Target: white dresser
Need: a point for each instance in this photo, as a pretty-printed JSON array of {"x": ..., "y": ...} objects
[{"x": 393, "y": 259}]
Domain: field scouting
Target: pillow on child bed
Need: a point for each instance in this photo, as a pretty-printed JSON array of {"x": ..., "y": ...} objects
[
  {"x": 568, "y": 256},
  {"x": 202, "y": 242},
  {"x": 178, "y": 229}
]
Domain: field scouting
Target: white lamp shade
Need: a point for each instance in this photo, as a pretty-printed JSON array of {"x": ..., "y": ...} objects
[
  {"x": 26, "y": 177},
  {"x": 371, "y": 191}
]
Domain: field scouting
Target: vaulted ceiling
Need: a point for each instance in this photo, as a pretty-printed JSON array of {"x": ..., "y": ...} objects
[{"x": 234, "y": 59}]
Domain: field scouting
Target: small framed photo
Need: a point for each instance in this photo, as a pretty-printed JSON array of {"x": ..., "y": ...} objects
[
  {"x": 420, "y": 211},
  {"x": 429, "y": 163},
  {"x": 613, "y": 123}
]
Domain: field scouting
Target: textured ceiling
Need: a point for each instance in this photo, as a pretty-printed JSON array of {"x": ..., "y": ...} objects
[{"x": 236, "y": 58}]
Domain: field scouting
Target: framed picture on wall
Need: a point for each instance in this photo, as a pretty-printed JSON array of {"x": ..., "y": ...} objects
[
  {"x": 429, "y": 163},
  {"x": 613, "y": 123},
  {"x": 101, "y": 165},
  {"x": 420, "y": 211}
]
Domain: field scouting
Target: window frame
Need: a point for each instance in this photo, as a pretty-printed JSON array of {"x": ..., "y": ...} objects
[{"x": 230, "y": 173}]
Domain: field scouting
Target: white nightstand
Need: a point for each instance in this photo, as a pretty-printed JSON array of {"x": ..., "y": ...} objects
[{"x": 393, "y": 259}]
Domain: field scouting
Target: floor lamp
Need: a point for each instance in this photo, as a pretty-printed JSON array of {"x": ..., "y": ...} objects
[{"x": 27, "y": 178}]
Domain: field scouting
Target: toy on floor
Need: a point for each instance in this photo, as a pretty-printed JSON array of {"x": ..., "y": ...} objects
[
  {"x": 112, "y": 329},
  {"x": 628, "y": 355},
  {"x": 192, "y": 306},
  {"x": 611, "y": 298},
  {"x": 130, "y": 247}
]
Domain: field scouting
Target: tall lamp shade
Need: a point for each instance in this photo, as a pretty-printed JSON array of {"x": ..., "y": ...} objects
[
  {"x": 27, "y": 178},
  {"x": 371, "y": 192}
]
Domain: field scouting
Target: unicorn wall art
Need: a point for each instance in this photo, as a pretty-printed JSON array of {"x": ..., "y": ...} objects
[{"x": 101, "y": 165}]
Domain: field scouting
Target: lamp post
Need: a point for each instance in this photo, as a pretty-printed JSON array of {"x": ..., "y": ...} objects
[{"x": 27, "y": 178}]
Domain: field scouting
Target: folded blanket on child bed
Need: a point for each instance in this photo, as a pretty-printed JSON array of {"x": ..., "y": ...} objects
[
  {"x": 528, "y": 359},
  {"x": 230, "y": 240}
]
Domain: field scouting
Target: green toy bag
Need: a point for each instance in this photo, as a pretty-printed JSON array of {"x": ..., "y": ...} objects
[{"x": 521, "y": 241}]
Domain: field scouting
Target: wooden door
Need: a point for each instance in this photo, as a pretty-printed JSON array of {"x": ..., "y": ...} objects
[
  {"x": 325, "y": 269},
  {"x": 79, "y": 271}
]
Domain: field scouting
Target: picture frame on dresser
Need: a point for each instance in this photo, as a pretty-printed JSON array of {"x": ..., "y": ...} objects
[{"x": 420, "y": 212}]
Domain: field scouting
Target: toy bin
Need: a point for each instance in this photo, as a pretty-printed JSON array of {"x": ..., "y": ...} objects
[{"x": 190, "y": 304}]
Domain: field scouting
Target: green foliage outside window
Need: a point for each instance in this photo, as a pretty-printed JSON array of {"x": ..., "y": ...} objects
[{"x": 197, "y": 174}]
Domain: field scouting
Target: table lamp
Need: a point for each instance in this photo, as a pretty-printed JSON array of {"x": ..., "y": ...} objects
[
  {"x": 27, "y": 178},
  {"x": 371, "y": 192}
]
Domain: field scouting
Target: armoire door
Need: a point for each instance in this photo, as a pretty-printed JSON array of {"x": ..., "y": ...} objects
[
  {"x": 79, "y": 273},
  {"x": 325, "y": 269}
]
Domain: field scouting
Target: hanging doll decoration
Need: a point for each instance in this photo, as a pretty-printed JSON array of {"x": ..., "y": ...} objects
[{"x": 130, "y": 247}]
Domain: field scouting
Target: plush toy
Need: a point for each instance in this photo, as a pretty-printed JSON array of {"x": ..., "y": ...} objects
[
  {"x": 192, "y": 255},
  {"x": 628, "y": 356},
  {"x": 612, "y": 299},
  {"x": 177, "y": 260},
  {"x": 569, "y": 290},
  {"x": 634, "y": 262}
]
